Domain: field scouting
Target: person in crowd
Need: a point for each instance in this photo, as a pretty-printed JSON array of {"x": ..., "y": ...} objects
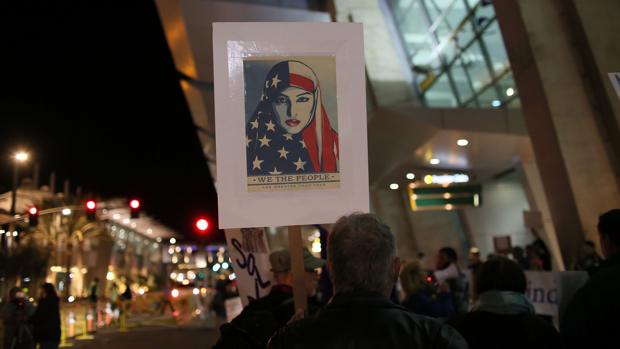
[
  {"x": 518, "y": 255},
  {"x": 475, "y": 260},
  {"x": 533, "y": 256},
  {"x": 15, "y": 315},
  {"x": 543, "y": 251},
  {"x": 449, "y": 272},
  {"x": 588, "y": 260},
  {"x": 591, "y": 319},
  {"x": 361, "y": 257},
  {"x": 114, "y": 301},
  {"x": 422, "y": 296},
  {"x": 46, "y": 319},
  {"x": 502, "y": 316},
  {"x": 262, "y": 317}
]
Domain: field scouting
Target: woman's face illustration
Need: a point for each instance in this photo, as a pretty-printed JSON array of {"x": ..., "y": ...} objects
[{"x": 294, "y": 108}]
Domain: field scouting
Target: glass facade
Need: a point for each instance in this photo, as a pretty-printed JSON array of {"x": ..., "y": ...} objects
[{"x": 456, "y": 50}]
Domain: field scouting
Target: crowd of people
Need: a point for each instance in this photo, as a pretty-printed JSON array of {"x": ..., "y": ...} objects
[
  {"x": 436, "y": 309},
  {"x": 26, "y": 326}
]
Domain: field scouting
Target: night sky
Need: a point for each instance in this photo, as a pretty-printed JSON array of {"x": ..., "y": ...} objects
[{"x": 90, "y": 88}]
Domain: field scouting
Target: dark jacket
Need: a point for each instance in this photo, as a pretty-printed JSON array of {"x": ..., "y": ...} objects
[
  {"x": 46, "y": 320},
  {"x": 260, "y": 320},
  {"x": 591, "y": 319},
  {"x": 15, "y": 316},
  {"x": 484, "y": 330},
  {"x": 426, "y": 303},
  {"x": 366, "y": 320}
]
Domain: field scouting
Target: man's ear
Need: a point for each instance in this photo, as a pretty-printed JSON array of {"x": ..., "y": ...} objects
[{"x": 396, "y": 268}]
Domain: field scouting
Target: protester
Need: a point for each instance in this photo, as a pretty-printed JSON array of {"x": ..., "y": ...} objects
[
  {"x": 422, "y": 296},
  {"x": 518, "y": 255},
  {"x": 502, "y": 316},
  {"x": 449, "y": 272},
  {"x": 474, "y": 259},
  {"x": 15, "y": 315},
  {"x": 262, "y": 317},
  {"x": 364, "y": 268},
  {"x": 588, "y": 260},
  {"x": 533, "y": 255},
  {"x": 591, "y": 320},
  {"x": 46, "y": 319},
  {"x": 542, "y": 250}
]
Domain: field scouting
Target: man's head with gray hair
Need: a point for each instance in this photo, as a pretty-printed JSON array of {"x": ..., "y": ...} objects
[{"x": 361, "y": 255}]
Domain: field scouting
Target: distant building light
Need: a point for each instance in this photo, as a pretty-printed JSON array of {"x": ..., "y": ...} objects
[
  {"x": 393, "y": 186},
  {"x": 410, "y": 175},
  {"x": 462, "y": 142},
  {"x": 66, "y": 211},
  {"x": 510, "y": 92},
  {"x": 434, "y": 161},
  {"x": 449, "y": 207},
  {"x": 496, "y": 103},
  {"x": 173, "y": 241}
]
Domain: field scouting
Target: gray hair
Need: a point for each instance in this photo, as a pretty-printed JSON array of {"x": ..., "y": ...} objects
[{"x": 360, "y": 252}]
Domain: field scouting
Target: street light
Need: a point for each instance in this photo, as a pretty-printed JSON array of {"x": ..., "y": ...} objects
[{"x": 19, "y": 157}]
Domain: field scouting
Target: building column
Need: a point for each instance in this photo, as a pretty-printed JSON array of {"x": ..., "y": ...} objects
[{"x": 575, "y": 166}]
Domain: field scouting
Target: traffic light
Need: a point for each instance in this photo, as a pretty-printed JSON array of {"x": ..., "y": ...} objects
[
  {"x": 202, "y": 225},
  {"x": 91, "y": 210},
  {"x": 33, "y": 216},
  {"x": 134, "y": 206}
]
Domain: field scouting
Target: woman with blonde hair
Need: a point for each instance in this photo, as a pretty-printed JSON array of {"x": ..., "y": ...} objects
[{"x": 422, "y": 295}]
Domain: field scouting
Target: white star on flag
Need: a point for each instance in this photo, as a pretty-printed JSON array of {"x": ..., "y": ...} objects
[
  {"x": 299, "y": 165},
  {"x": 288, "y": 136},
  {"x": 275, "y": 81},
  {"x": 303, "y": 144},
  {"x": 256, "y": 163},
  {"x": 275, "y": 172},
  {"x": 270, "y": 126},
  {"x": 283, "y": 152},
  {"x": 254, "y": 124},
  {"x": 264, "y": 141},
  {"x": 247, "y": 142}
]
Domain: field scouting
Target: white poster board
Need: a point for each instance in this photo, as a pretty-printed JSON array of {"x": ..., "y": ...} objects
[
  {"x": 290, "y": 112},
  {"x": 249, "y": 253}
]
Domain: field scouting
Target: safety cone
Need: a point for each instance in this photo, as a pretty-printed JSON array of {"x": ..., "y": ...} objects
[{"x": 85, "y": 336}]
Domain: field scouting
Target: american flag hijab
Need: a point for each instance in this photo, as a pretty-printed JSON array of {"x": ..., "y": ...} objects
[{"x": 270, "y": 148}]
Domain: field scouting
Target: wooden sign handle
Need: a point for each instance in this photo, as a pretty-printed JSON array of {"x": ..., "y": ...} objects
[{"x": 297, "y": 267}]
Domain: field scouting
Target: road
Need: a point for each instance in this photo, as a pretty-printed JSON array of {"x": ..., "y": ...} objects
[{"x": 153, "y": 337}]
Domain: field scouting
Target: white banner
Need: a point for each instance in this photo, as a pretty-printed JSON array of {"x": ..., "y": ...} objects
[
  {"x": 550, "y": 292},
  {"x": 249, "y": 253}
]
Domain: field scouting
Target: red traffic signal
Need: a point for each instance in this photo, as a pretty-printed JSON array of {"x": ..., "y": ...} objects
[
  {"x": 202, "y": 225},
  {"x": 91, "y": 205},
  {"x": 91, "y": 210},
  {"x": 33, "y": 216},
  {"x": 134, "y": 206}
]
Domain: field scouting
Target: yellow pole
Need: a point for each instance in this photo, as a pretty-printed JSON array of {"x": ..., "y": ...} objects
[
  {"x": 123, "y": 317},
  {"x": 63, "y": 336}
]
